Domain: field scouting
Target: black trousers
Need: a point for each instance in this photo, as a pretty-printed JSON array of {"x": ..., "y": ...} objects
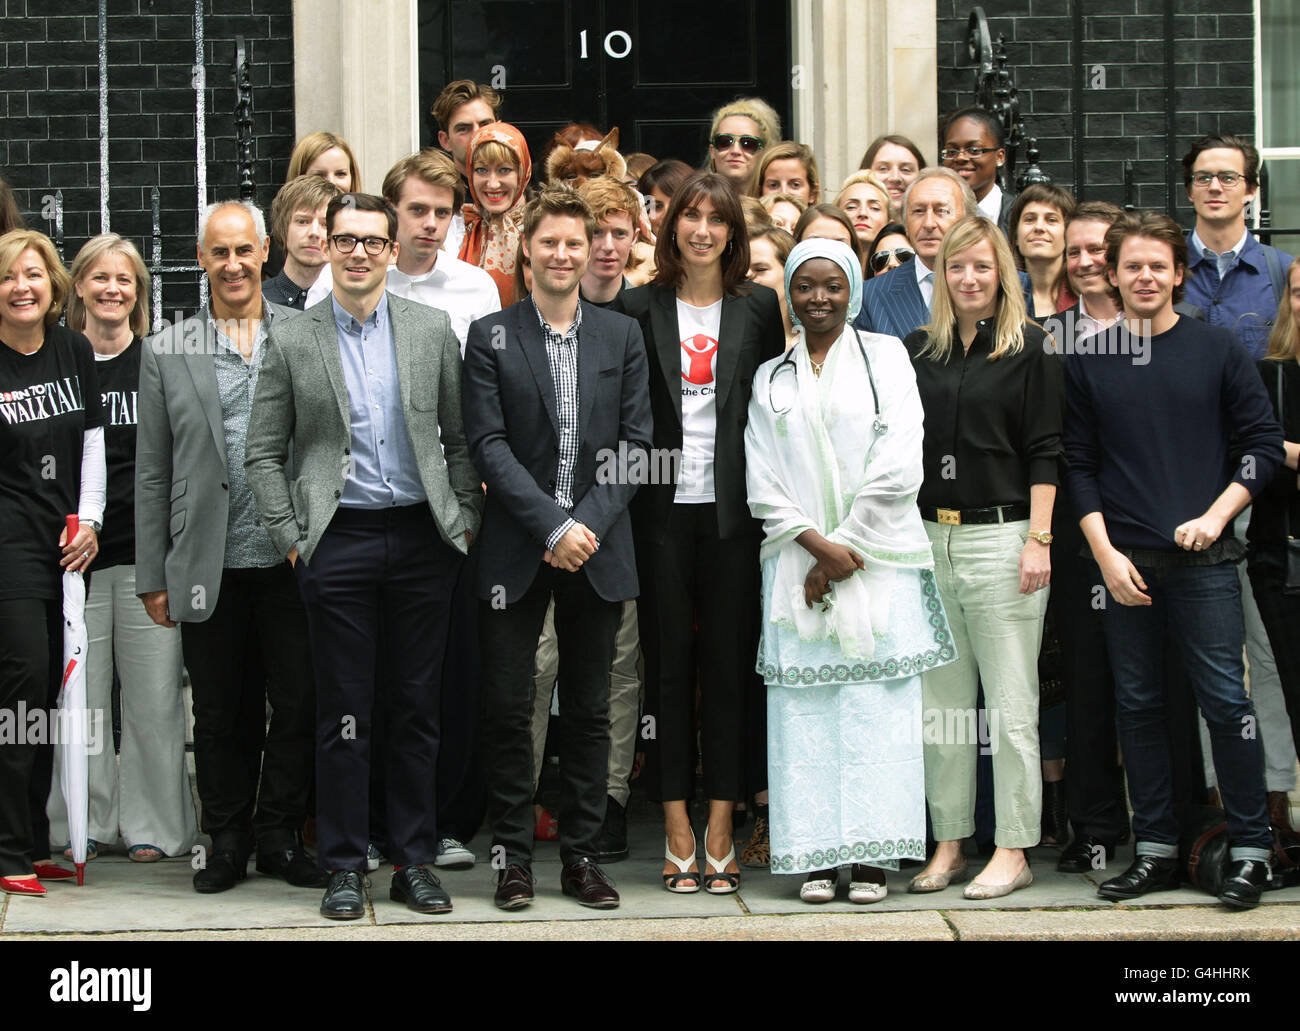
[
  {"x": 258, "y": 610},
  {"x": 31, "y": 664},
  {"x": 462, "y": 789},
  {"x": 585, "y": 626},
  {"x": 1281, "y": 616},
  {"x": 1094, "y": 778},
  {"x": 699, "y": 613},
  {"x": 378, "y": 597}
]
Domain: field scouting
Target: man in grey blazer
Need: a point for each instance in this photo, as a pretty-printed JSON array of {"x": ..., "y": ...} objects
[
  {"x": 365, "y": 388},
  {"x": 204, "y": 560}
]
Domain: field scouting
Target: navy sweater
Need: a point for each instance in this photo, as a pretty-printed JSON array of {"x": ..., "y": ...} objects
[{"x": 1149, "y": 445}]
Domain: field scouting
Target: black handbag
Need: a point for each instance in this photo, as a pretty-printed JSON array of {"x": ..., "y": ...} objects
[{"x": 1291, "y": 581}]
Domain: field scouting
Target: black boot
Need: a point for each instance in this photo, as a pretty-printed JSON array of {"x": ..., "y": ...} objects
[{"x": 1056, "y": 829}]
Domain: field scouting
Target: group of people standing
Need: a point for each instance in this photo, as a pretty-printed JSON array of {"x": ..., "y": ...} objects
[{"x": 821, "y": 464}]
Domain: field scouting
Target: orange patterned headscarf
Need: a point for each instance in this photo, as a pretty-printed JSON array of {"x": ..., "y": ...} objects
[{"x": 491, "y": 241}]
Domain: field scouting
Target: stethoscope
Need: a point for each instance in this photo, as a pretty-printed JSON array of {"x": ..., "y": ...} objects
[{"x": 878, "y": 424}]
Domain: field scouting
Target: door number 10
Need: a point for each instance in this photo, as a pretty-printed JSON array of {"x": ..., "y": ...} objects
[{"x": 617, "y": 38}]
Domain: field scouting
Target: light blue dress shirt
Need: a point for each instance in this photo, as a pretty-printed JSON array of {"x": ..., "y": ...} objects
[{"x": 383, "y": 472}]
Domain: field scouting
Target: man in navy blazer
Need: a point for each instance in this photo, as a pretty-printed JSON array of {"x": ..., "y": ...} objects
[
  {"x": 557, "y": 413},
  {"x": 898, "y": 302}
]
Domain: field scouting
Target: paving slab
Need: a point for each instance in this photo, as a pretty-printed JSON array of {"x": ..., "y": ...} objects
[{"x": 1272, "y": 921}]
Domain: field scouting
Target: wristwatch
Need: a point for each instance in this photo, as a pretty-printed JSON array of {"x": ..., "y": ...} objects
[
  {"x": 1042, "y": 536},
  {"x": 94, "y": 525}
]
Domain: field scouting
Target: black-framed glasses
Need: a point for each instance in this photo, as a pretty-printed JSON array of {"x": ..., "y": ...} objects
[
  {"x": 948, "y": 153},
  {"x": 880, "y": 260},
  {"x": 749, "y": 144},
  {"x": 1226, "y": 179},
  {"x": 345, "y": 243}
]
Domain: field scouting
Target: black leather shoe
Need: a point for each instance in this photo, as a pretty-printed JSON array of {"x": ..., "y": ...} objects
[
  {"x": 225, "y": 868},
  {"x": 1243, "y": 880},
  {"x": 420, "y": 890},
  {"x": 292, "y": 864},
  {"x": 586, "y": 882},
  {"x": 611, "y": 842},
  {"x": 1082, "y": 853},
  {"x": 514, "y": 887},
  {"x": 344, "y": 898},
  {"x": 1146, "y": 874}
]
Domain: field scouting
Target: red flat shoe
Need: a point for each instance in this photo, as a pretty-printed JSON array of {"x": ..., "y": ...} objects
[
  {"x": 22, "y": 886},
  {"x": 54, "y": 872},
  {"x": 547, "y": 827}
]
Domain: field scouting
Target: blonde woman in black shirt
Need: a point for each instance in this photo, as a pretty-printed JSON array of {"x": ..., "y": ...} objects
[
  {"x": 993, "y": 397},
  {"x": 143, "y": 794}
]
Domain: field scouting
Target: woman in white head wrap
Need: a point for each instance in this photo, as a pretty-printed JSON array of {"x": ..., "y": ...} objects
[{"x": 851, "y": 614}]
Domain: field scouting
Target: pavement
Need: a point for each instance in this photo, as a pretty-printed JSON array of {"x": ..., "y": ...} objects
[{"x": 125, "y": 900}]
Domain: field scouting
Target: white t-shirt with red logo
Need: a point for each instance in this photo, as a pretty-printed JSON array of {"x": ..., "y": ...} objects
[{"x": 699, "y": 347}]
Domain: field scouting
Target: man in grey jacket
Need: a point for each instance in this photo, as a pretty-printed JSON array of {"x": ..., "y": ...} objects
[
  {"x": 366, "y": 385},
  {"x": 204, "y": 560}
]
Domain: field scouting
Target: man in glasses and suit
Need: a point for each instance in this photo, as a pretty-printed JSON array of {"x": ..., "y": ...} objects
[{"x": 376, "y": 523}]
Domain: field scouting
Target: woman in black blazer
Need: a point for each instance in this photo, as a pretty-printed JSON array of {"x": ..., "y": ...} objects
[{"x": 706, "y": 331}]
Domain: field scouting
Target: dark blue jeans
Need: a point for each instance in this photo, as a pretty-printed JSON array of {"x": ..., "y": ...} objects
[{"x": 1201, "y": 607}]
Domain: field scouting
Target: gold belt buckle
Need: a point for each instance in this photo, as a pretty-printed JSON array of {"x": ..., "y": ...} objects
[{"x": 951, "y": 516}]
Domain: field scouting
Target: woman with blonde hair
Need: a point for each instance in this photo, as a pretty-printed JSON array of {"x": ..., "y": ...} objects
[
  {"x": 327, "y": 155},
  {"x": 864, "y": 198},
  {"x": 499, "y": 168},
  {"x": 1276, "y": 509},
  {"x": 143, "y": 794},
  {"x": 783, "y": 210},
  {"x": 51, "y": 466},
  {"x": 993, "y": 397},
  {"x": 790, "y": 168},
  {"x": 739, "y": 131}
]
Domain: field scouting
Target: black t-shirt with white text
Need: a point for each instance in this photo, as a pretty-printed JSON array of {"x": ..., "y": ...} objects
[
  {"x": 47, "y": 401},
  {"x": 119, "y": 381}
]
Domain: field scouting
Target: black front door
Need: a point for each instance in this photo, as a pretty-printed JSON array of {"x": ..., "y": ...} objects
[{"x": 656, "y": 70}]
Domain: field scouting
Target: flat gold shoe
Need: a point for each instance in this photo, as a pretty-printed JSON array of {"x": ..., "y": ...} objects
[
  {"x": 923, "y": 883},
  {"x": 976, "y": 890}
]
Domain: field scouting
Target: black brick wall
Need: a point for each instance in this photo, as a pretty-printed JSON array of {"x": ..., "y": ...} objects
[
  {"x": 1126, "y": 120},
  {"x": 49, "y": 100}
]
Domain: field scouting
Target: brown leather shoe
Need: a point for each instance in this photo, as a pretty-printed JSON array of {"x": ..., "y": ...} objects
[
  {"x": 1279, "y": 810},
  {"x": 588, "y": 884},
  {"x": 514, "y": 887}
]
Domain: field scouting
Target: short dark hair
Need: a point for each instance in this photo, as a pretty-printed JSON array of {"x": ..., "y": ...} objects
[
  {"x": 722, "y": 195},
  {"x": 556, "y": 200},
  {"x": 1038, "y": 193},
  {"x": 456, "y": 94},
  {"x": 1227, "y": 140},
  {"x": 898, "y": 141},
  {"x": 1156, "y": 226},
  {"x": 989, "y": 120},
  {"x": 361, "y": 202},
  {"x": 667, "y": 175}
]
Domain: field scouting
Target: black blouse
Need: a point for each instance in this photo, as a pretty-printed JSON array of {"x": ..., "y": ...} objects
[
  {"x": 992, "y": 428},
  {"x": 1267, "y": 532}
]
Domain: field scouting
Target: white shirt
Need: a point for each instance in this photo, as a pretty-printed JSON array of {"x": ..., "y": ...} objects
[
  {"x": 465, "y": 292},
  {"x": 1090, "y": 325},
  {"x": 924, "y": 280},
  {"x": 1225, "y": 260},
  {"x": 699, "y": 329},
  {"x": 991, "y": 206},
  {"x": 451, "y": 243}
]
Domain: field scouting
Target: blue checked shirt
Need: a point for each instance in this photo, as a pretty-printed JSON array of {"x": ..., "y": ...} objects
[{"x": 562, "y": 356}]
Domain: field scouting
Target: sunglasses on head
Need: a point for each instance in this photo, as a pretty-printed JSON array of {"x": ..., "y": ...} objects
[
  {"x": 725, "y": 141},
  {"x": 880, "y": 260}
]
